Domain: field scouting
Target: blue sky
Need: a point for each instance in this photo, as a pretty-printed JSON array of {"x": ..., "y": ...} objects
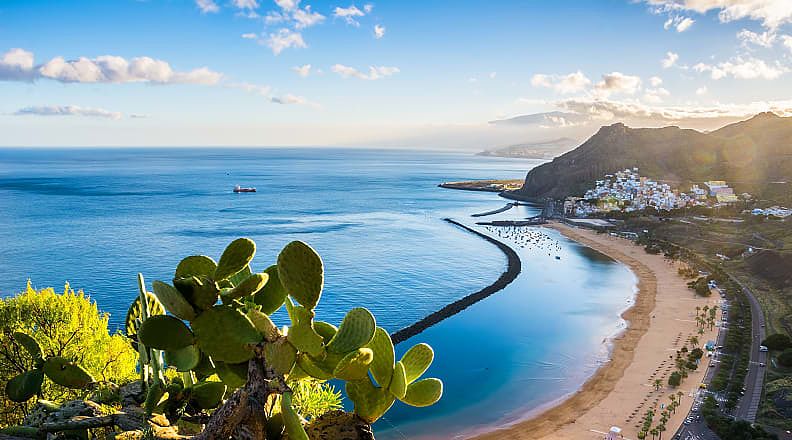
[{"x": 390, "y": 73}]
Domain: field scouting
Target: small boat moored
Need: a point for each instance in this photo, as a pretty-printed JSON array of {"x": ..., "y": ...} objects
[{"x": 240, "y": 189}]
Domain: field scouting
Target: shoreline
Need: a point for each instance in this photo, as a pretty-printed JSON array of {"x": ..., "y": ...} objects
[
  {"x": 513, "y": 269},
  {"x": 608, "y": 396},
  {"x": 566, "y": 410}
]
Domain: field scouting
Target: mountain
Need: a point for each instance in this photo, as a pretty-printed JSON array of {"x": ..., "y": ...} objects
[
  {"x": 749, "y": 154},
  {"x": 534, "y": 150}
]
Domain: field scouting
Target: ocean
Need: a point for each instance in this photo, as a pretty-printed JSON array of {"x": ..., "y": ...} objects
[{"x": 97, "y": 217}]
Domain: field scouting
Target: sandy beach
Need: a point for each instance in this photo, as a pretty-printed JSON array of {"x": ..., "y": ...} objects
[{"x": 660, "y": 322}]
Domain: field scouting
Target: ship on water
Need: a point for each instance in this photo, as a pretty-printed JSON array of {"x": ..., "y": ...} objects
[{"x": 242, "y": 189}]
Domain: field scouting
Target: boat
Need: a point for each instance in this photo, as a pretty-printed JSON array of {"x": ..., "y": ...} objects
[{"x": 240, "y": 189}]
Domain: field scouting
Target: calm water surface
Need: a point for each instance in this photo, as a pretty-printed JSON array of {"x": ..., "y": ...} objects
[{"x": 96, "y": 217}]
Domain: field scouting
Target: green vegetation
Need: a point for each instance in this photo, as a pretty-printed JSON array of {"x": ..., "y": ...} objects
[
  {"x": 45, "y": 333},
  {"x": 227, "y": 365},
  {"x": 777, "y": 342},
  {"x": 729, "y": 429},
  {"x": 785, "y": 358}
]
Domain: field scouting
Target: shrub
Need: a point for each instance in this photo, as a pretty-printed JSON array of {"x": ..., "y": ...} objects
[
  {"x": 785, "y": 358},
  {"x": 778, "y": 341},
  {"x": 68, "y": 325}
]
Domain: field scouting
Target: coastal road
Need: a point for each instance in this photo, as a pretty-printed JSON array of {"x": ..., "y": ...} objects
[{"x": 754, "y": 380}]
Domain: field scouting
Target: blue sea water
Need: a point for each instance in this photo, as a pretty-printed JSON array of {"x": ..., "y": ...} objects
[{"x": 97, "y": 217}]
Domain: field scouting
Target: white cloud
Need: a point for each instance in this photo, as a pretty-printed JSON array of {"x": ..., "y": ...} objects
[
  {"x": 207, "y": 6},
  {"x": 289, "y": 99},
  {"x": 656, "y": 95},
  {"x": 765, "y": 39},
  {"x": 670, "y": 59},
  {"x": 245, "y": 4},
  {"x": 492, "y": 75},
  {"x": 772, "y": 13},
  {"x": 368, "y": 7},
  {"x": 302, "y": 71},
  {"x": 617, "y": 82},
  {"x": 680, "y": 23},
  {"x": 701, "y": 90},
  {"x": 67, "y": 110},
  {"x": 287, "y": 5},
  {"x": 379, "y": 31},
  {"x": 306, "y": 18},
  {"x": 249, "y": 36},
  {"x": 571, "y": 83},
  {"x": 655, "y": 81},
  {"x": 787, "y": 40},
  {"x": 742, "y": 68},
  {"x": 274, "y": 17},
  {"x": 684, "y": 24},
  {"x": 375, "y": 72},
  {"x": 284, "y": 39},
  {"x": 255, "y": 89},
  {"x": 348, "y": 14},
  {"x": 17, "y": 65}
]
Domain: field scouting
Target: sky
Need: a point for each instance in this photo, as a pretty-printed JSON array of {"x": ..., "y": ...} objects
[{"x": 462, "y": 75}]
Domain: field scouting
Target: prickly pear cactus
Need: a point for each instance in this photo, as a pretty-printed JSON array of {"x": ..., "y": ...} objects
[{"x": 233, "y": 340}]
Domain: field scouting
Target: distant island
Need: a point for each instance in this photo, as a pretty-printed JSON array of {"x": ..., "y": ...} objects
[
  {"x": 546, "y": 149},
  {"x": 484, "y": 185}
]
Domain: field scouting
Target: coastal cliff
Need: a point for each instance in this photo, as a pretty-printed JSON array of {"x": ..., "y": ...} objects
[{"x": 754, "y": 153}]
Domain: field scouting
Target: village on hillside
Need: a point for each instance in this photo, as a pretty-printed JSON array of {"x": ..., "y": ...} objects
[{"x": 628, "y": 191}]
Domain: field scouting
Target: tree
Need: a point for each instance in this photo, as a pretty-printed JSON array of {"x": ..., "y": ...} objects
[
  {"x": 694, "y": 340},
  {"x": 658, "y": 384},
  {"x": 777, "y": 342},
  {"x": 785, "y": 358},
  {"x": 675, "y": 379},
  {"x": 67, "y": 325}
]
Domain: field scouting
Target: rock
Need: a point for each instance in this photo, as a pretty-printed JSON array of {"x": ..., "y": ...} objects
[
  {"x": 132, "y": 393},
  {"x": 44, "y": 413}
]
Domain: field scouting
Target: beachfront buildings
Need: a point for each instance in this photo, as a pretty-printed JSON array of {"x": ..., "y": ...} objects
[{"x": 628, "y": 191}]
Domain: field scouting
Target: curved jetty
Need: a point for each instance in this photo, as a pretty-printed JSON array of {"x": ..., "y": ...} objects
[
  {"x": 512, "y": 270},
  {"x": 496, "y": 211}
]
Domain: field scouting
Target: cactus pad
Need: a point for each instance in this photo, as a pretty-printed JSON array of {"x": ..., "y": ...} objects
[
  {"x": 235, "y": 257},
  {"x": 134, "y": 314},
  {"x": 398, "y": 385},
  {"x": 314, "y": 368},
  {"x": 208, "y": 395},
  {"x": 225, "y": 334},
  {"x": 280, "y": 355},
  {"x": 301, "y": 272},
  {"x": 173, "y": 300},
  {"x": 201, "y": 292},
  {"x": 425, "y": 392},
  {"x": 292, "y": 422},
  {"x": 183, "y": 359},
  {"x": 301, "y": 333},
  {"x": 248, "y": 286},
  {"x": 354, "y": 366},
  {"x": 416, "y": 361},
  {"x": 30, "y": 344},
  {"x": 264, "y": 325},
  {"x": 325, "y": 330},
  {"x": 154, "y": 397},
  {"x": 66, "y": 373},
  {"x": 384, "y": 357},
  {"x": 24, "y": 386},
  {"x": 165, "y": 332},
  {"x": 356, "y": 330},
  {"x": 370, "y": 402},
  {"x": 233, "y": 375},
  {"x": 271, "y": 296},
  {"x": 195, "y": 266}
]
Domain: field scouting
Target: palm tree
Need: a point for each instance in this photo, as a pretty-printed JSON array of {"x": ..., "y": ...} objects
[
  {"x": 673, "y": 400},
  {"x": 641, "y": 435},
  {"x": 701, "y": 331},
  {"x": 661, "y": 428},
  {"x": 694, "y": 340},
  {"x": 657, "y": 384},
  {"x": 654, "y": 432},
  {"x": 679, "y": 397}
]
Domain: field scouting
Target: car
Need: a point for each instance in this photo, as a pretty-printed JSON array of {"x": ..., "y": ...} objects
[
  {"x": 762, "y": 364},
  {"x": 687, "y": 421},
  {"x": 762, "y": 348}
]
